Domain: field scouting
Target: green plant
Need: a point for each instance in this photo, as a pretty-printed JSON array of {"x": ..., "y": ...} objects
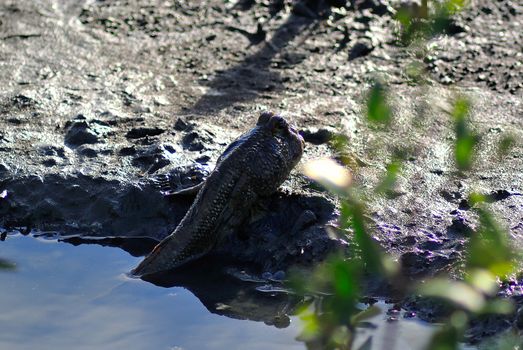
[
  {"x": 6, "y": 265},
  {"x": 421, "y": 22},
  {"x": 333, "y": 309}
]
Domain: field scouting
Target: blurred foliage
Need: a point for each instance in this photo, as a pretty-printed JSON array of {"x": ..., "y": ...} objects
[
  {"x": 415, "y": 72},
  {"x": 505, "y": 145},
  {"x": 387, "y": 184},
  {"x": 366, "y": 252},
  {"x": 333, "y": 292},
  {"x": 426, "y": 20},
  {"x": 449, "y": 336},
  {"x": 329, "y": 174},
  {"x": 510, "y": 341},
  {"x": 334, "y": 309},
  {"x": 490, "y": 257},
  {"x": 466, "y": 139},
  {"x": 6, "y": 265},
  {"x": 489, "y": 247},
  {"x": 328, "y": 321},
  {"x": 331, "y": 318},
  {"x": 378, "y": 111}
]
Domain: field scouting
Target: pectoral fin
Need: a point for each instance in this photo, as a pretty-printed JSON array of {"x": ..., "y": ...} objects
[{"x": 188, "y": 191}]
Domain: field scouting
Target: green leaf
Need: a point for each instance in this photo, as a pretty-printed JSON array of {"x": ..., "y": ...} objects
[
  {"x": 458, "y": 293},
  {"x": 345, "y": 279},
  {"x": 341, "y": 337},
  {"x": 364, "y": 315},
  {"x": 386, "y": 186},
  {"x": 464, "y": 150},
  {"x": 510, "y": 341},
  {"x": 339, "y": 142},
  {"x": 506, "y": 144},
  {"x": 352, "y": 214},
  {"x": 445, "y": 339},
  {"x": 475, "y": 198},
  {"x": 489, "y": 248},
  {"x": 499, "y": 306},
  {"x": 378, "y": 111},
  {"x": 454, "y": 6},
  {"x": 466, "y": 140},
  {"x": 310, "y": 323},
  {"x": 404, "y": 17},
  {"x": 483, "y": 280}
]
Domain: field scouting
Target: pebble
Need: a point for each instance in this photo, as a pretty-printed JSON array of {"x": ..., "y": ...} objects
[
  {"x": 127, "y": 151},
  {"x": 21, "y": 101},
  {"x": 49, "y": 162},
  {"x": 181, "y": 125}
]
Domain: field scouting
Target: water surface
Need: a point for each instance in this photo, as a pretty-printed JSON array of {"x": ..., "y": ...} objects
[
  {"x": 78, "y": 297},
  {"x": 67, "y": 297}
]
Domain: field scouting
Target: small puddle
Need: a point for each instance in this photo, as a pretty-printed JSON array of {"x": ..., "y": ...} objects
[
  {"x": 78, "y": 297},
  {"x": 67, "y": 297}
]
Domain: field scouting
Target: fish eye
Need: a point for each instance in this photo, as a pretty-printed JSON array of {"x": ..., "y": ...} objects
[{"x": 279, "y": 125}]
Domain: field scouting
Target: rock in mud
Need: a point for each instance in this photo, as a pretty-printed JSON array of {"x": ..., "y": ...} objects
[
  {"x": 182, "y": 125},
  {"x": 360, "y": 49},
  {"x": 192, "y": 142},
  {"x": 87, "y": 151},
  {"x": 152, "y": 158},
  {"x": 50, "y": 150},
  {"x": 79, "y": 132}
]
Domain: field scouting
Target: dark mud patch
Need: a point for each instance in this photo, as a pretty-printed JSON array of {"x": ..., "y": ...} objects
[
  {"x": 289, "y": 229},
  {"x": 90, "y": 206}
]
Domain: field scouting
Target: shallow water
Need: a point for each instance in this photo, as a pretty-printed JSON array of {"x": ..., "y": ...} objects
[
  {"x": 78, "y": 297},
  {"x": 67, "y": 297}
]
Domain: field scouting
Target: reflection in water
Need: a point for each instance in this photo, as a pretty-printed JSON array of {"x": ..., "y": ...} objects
[
  {"x": 216, "y": 281},
  {"x": 66, "y": 297},
  {"x": 220, "y": 288}
]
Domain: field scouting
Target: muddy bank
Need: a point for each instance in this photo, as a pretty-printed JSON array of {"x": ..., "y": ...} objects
[{"x": 288, "y": 229}]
